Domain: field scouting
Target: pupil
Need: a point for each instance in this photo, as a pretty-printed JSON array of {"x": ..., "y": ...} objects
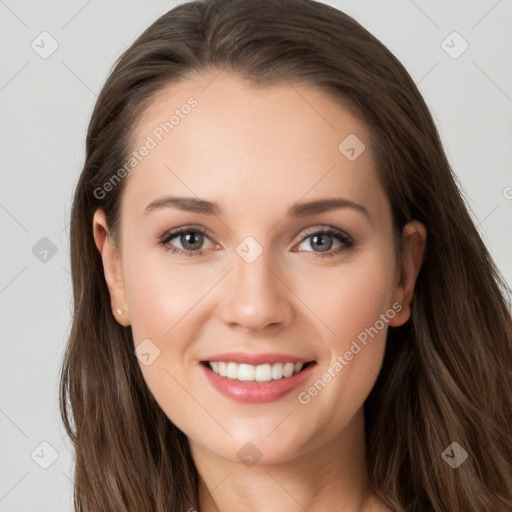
[
  {"x": 191, "y": 240},
  {"x": 322, "y": 237}
]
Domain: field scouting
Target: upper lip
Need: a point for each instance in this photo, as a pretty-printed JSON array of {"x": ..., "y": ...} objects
[{"x": 255, "y": 359}]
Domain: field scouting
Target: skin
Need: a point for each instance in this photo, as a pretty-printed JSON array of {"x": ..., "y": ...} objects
[{"x": 257, "y": 152}]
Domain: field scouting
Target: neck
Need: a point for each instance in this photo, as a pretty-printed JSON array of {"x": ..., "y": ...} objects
[{"x": 332, "y": 476}]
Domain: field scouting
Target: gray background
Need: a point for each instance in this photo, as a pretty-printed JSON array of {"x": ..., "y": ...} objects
[{"x": 45, "y": 107}]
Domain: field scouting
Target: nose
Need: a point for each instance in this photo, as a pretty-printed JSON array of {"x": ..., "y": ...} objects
[{"x": 255, "y": 297}]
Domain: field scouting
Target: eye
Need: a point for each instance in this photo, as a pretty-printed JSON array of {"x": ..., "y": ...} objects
[
  {"x": 321, "y": 241},
  {"x": 190, "y": 239}
]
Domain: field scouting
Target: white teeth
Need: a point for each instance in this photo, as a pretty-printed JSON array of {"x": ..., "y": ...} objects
[
  {"x": 277, "y": 371},
  {"x": 288, "y": 369},
  {"x": 263, "y": 373},
  {"x": 232, "y": 371},
  {"x": 260, "y": 373},
  {"x": 244, "y": 372}
]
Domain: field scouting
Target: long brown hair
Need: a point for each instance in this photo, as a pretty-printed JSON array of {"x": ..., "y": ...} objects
[{"x": 446, "y": 375}]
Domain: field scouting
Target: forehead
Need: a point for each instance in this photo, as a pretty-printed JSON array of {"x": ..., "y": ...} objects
[{"x": 219, "y": 137}]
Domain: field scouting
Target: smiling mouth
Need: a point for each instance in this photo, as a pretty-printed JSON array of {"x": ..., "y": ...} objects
[{"x": 256, "y": 373}]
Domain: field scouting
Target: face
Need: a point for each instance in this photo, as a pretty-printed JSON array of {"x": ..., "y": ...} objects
[{"x": 268, "y": 277}]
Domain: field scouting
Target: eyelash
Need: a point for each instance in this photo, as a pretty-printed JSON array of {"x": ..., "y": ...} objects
[{"x": 347, "y": 241}]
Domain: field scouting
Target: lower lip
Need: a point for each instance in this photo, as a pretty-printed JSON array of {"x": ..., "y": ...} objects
[{"x": 255, "y": 392}]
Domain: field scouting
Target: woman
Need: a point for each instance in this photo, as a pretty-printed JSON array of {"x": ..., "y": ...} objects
[{"x": 281, "y": 300}]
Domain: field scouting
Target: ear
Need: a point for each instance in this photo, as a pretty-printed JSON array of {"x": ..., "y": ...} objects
[
  {"x": 414, "y": 236},
  {"x": 111, "y": 268}
]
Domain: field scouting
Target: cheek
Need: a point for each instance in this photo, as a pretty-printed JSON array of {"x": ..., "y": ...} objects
[
  {"x": 160, "y": 295},
  {"x": 352, "y": 296},
  {"x": 355, "y": 307},
  {"x": 161, "y": 301}
]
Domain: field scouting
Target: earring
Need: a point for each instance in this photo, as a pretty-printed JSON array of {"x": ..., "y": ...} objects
[{"x": 119, "y": 311}]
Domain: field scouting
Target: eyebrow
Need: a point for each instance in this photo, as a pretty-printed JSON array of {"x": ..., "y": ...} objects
[{"x": 192, "y": 204}]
